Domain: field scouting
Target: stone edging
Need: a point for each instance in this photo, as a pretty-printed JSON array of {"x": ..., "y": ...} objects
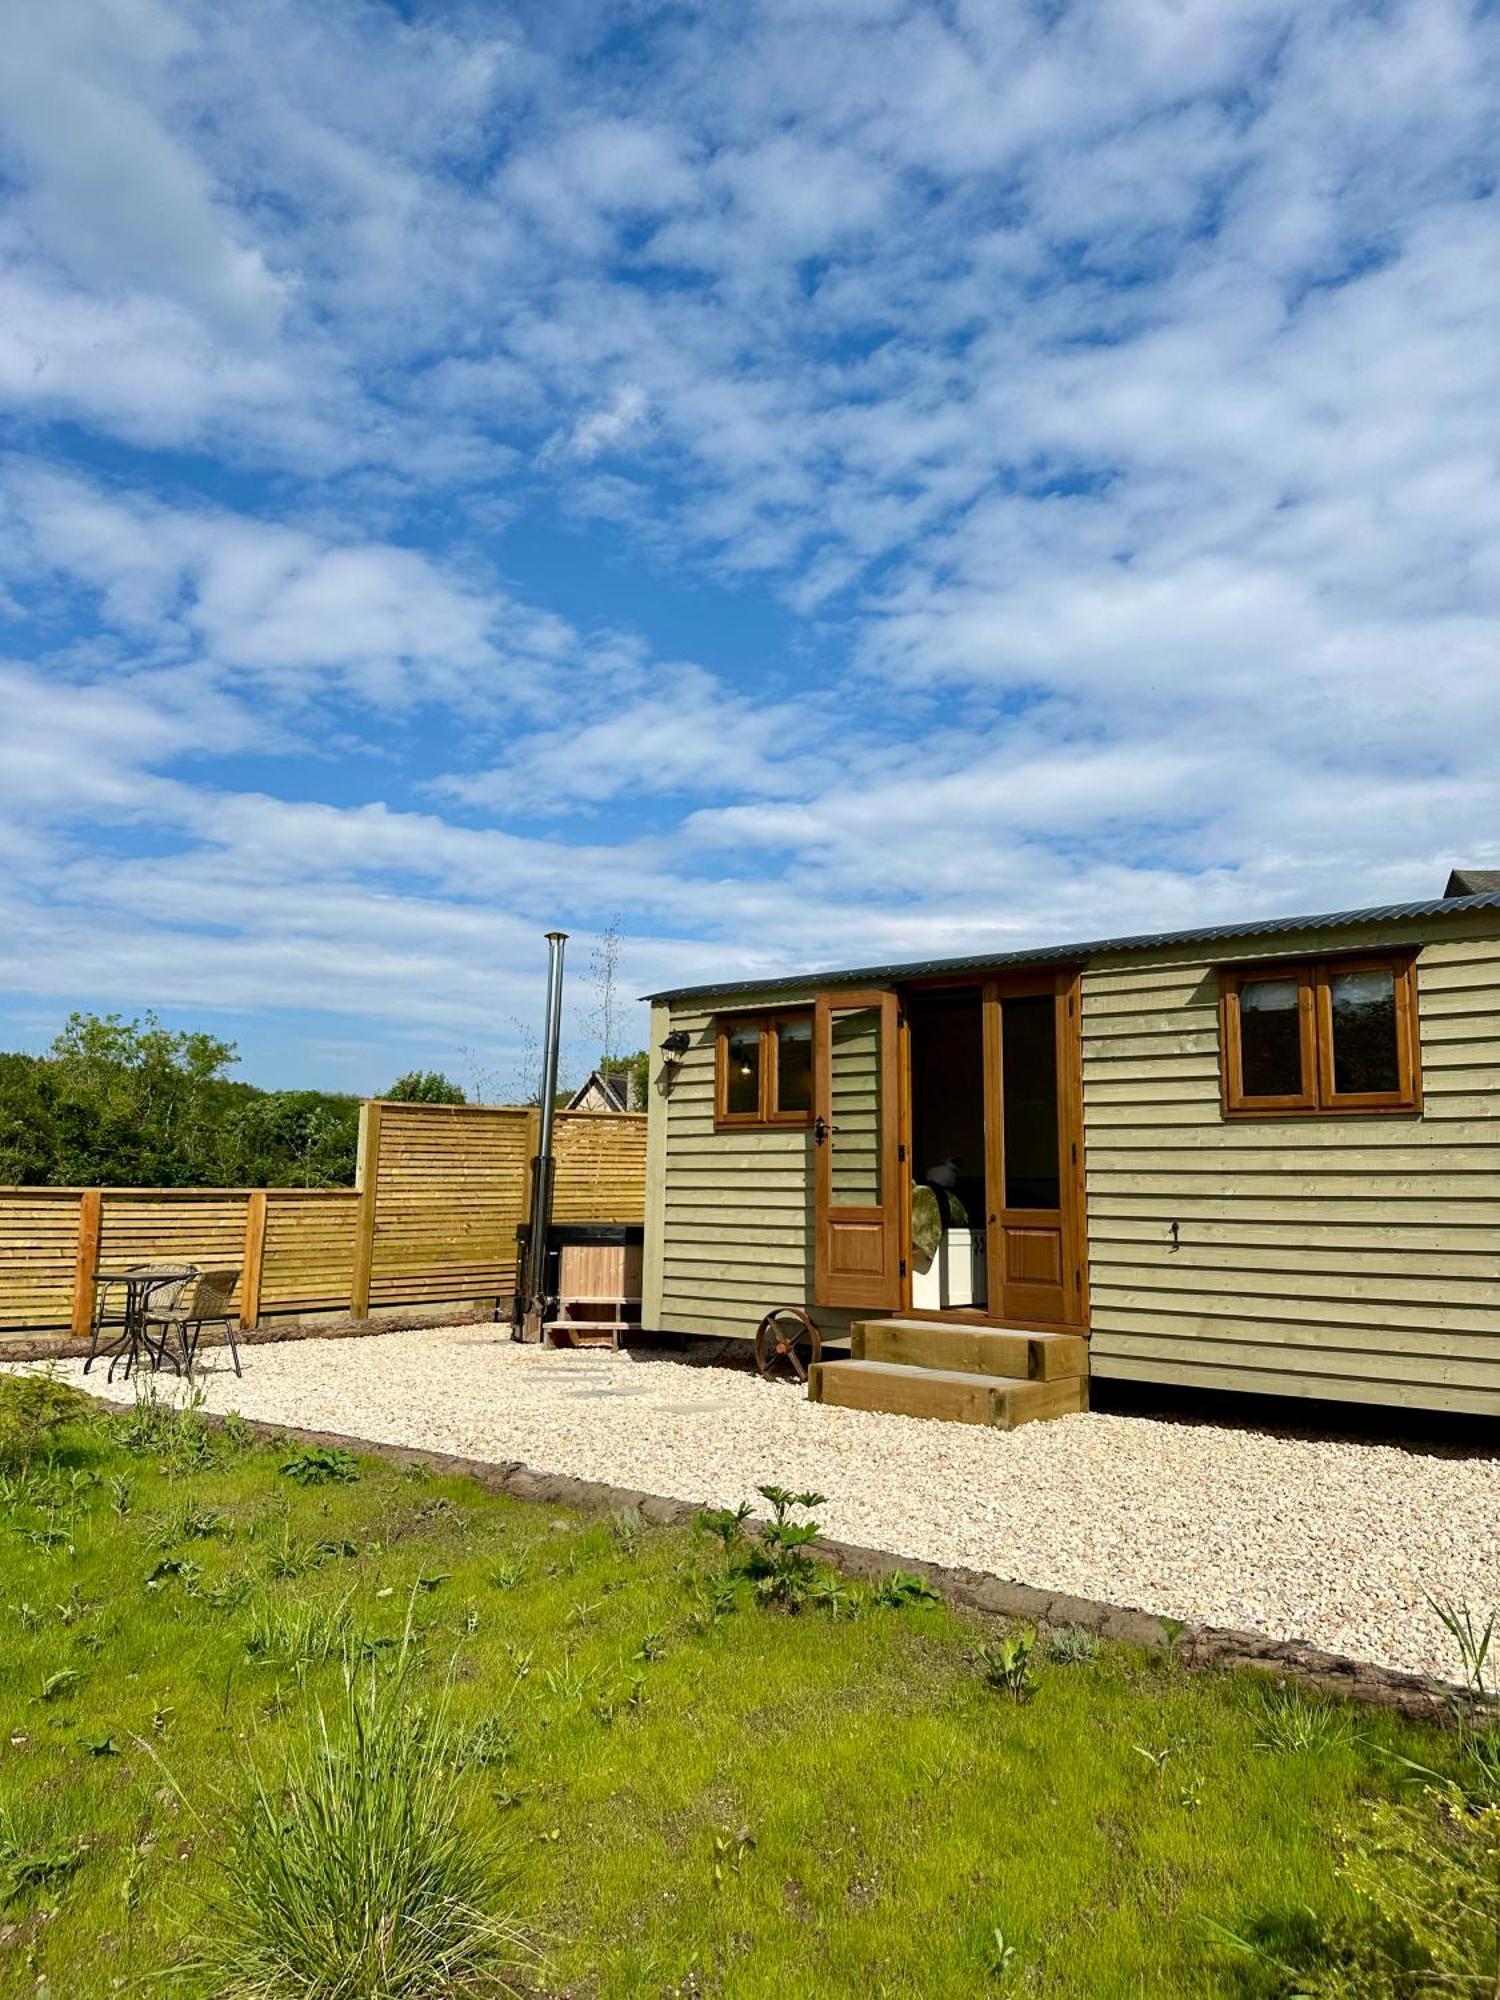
[{"x": 1197, "y": 1646}]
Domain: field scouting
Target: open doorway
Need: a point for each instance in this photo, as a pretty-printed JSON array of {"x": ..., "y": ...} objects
[{"x": 945, "y": 1030}]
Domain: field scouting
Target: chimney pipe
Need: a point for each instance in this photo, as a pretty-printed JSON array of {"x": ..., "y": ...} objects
[{"x": 542, "y": 1167}]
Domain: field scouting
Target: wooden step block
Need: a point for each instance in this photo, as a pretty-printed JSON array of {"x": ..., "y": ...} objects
[
  {"x": 972, "y": 1350},
  {"x": 586, "y": 1332},
  {"x": 956, "y": 1395}
]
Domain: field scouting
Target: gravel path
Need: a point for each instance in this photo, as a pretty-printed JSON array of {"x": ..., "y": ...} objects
[{"x": 1328, "y": 1541}]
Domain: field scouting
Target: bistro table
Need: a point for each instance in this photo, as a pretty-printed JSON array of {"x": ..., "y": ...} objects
[{"x": 149, "y": 1289}]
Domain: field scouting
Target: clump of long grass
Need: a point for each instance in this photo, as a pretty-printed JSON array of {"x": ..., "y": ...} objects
[
  {"x": 357, "y": 1870},
  {"x": 1289, "y": 1724},
  {"x": 293, "y": 1638}
]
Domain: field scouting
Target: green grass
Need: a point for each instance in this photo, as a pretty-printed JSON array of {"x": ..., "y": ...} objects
[{"x": 693, "y": 1800}]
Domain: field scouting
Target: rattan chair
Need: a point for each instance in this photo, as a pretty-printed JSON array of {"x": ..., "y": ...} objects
[
  {"x": 203, "y": 1303},
  {"x": 150, "y": 1296}
]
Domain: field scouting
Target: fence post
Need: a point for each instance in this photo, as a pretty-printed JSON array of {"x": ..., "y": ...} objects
[
  {"x": 254, "y": 1261},
  {"x": 90, "y": 1218},
  {"x": 366, "y": 1179}
]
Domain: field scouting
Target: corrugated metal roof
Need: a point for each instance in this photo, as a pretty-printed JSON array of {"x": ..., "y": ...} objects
[{"x": 1060, "y": 954}]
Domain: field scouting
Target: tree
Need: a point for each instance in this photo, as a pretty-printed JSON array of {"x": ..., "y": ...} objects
[
  {"x": 28, "y": 1121},
  {"x": 426, "y": 1086},
  {"x": 639, "y": 1066},
  {"x": 485, "y": 1084},
  {"x": 292, "y": 1138},
  {"x": 604, "y": 964},
  {"x": 526, "y": 1084},
  {"x": 137, "y": 1103},
  {"x": 129, "y": 1103}
]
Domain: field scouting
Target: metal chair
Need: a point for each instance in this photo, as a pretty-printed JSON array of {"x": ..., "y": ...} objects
[
  {"x": 116, "y": 1323},
  {"x": 206, "y": 1302}
]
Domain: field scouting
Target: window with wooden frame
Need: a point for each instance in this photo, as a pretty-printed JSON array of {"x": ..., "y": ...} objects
[
  {"x": 1321, "y": 1039},
  {"x": 763, "y": 1068}
]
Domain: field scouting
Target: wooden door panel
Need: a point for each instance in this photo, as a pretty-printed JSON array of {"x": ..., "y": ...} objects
[
  {"x": 857, "y": 1248},
  {"x": 1030, "y": 1141},
  {"x": 857, "y": 1198},
  {"x": 1033, "y": 1252}
]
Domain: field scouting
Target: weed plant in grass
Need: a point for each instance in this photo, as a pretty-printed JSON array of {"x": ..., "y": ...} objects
[{"x": 697, "y": 1787}]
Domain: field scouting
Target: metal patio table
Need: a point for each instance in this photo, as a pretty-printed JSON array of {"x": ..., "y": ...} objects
[{"x": 148, "y": 1289}]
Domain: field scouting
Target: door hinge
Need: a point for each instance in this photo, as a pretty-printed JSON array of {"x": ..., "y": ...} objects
[
  {"x": 1074, "y": 1150},
  {"x": 901, "y": 1151},
  {"x": 902, "y": 1272}
]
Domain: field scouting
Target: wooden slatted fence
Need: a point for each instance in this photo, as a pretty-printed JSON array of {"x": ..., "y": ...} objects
[
  {"x": 601, "y": 1167},
  {"x": 432, "y": 1220}
]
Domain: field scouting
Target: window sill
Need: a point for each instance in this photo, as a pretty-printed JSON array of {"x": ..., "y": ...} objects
[
  {"x": 746, "y": 1123},
  {"x": 1241, "y": 1114}
]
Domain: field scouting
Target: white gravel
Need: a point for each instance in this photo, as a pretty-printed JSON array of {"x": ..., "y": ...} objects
[{"x": 1329, "y": 1541}]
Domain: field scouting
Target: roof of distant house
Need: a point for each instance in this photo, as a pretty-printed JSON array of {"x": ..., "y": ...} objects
[
  {"x": 612, "y": 1083},
  {"x": 1473, "y": 882}
]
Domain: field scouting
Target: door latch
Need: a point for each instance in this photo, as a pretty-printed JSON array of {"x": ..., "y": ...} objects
[{"x": 821, "y": 1130}]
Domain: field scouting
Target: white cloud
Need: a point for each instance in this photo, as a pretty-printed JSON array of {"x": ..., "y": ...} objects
[
  {"x": 106, "y": 188},
  {"x": 1103, "y": 393},
  {"x": 625, "y": 415},
  {"x": 287, "y": 605},
  {"x": 669, "y": 731}
]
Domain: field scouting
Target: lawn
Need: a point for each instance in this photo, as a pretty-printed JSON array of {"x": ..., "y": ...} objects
[{"x": 700, "y": 1795}]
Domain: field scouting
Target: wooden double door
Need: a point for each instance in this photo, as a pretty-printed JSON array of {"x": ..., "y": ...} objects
[{"x": 1033, "y": 1151}]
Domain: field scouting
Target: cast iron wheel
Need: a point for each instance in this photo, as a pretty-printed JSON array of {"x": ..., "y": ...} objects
[{"x": 786, "y": 1341}]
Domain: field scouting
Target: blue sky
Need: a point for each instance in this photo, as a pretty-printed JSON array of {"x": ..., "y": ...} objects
[{"x": 819, "y": 480}]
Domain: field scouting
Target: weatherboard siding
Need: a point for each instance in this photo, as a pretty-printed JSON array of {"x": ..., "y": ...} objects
[
  {"x": 1355, "y": 1257},
  {"x": 731, "y": 1213}
]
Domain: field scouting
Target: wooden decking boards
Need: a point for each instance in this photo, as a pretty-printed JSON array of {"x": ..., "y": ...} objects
[{"x": 964, "y": 1374}]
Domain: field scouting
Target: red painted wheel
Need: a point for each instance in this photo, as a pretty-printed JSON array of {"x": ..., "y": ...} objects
[{"x": 787, "y": 1343}]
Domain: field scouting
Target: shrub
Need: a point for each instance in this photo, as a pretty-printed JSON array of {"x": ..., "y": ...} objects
[
  {"x": 356, "y": 1872},
  {"x": 32, "y": 1409},
  {"x": 777, "y": 1563}
]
